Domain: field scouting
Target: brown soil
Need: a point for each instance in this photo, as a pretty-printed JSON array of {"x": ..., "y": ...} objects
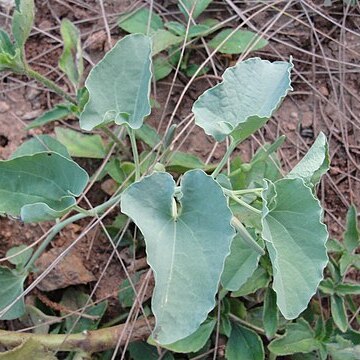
[{"x": 326, "y": 98}]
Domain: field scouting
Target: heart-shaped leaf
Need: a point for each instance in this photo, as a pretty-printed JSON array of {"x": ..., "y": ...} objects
[
  {"x": 119, "y": 85},
  {"x": 186, "y": 247},
  {"x": 40, "y": 186},
  {"x": 295, "y": 238},
  {"x": 244, "y": 100}
]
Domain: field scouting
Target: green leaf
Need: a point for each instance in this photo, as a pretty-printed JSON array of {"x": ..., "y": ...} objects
[
  {"x": 338, "y": 312},
  {"x": 244, "y": 344},
  {"x": 81, "y": 145},
  {"x": 40, "y": 143},
  {"x": 119, "y": 85},
  {"x": 40, "y": 186},
  {"x": 148, "y": 135},
  {"x": 239, "y": 265},
  {"x": 347, "y": 289},
  {"x": 163, "y": 39},
  {"x": 19, "y": 260},
  {"x": 295, "y": 237},
  {"x": 186, "y": 276},
  {"x": 58, "y": 112},
  {"x": 195, "y": 341},
  {"x": 270, "y": 313},
  {"x": 198, "y": 30},
  {"x": 176, "y": 27},
  {"x": 29, "y": 349},
  {"x": 75, "y": 300},
  {"x": 138, "y": 21},
  {"x": 39, "y": 320},
  {"x": 244, "y": 100},
  {"x": 162, "y": 67},
  {"x": 120, "y": 171},
  {"x": 180, "y": 162},
  {"x": 71, "y": 60},
  {"x": 314, "y": 164},
  {"x": 22, "y": 22},
  {"x": 11, "y": 286},
  {"x": 126, "y": 293},
  {"x": 259, "y": 279},
  {"x": 140, "y": 350},
  {"x": 6, "y": 46},
  {"x": 240, "y": 41},
  {"x": 343, "y": 349},
  {"x": 193, "y": 7},
  {"x": 352, "y": 234},
  {"x": 298, "y": 338}
]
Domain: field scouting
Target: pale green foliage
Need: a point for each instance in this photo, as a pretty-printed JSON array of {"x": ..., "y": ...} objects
[
  {"x": 245, "y": 99},
  {"x": 81, "y": 145},
  {"x": 119, "y": 85},
  {"x": 295, "y": 238},
  {"x": 11, "y": 286},
  {"x": 186, "y": 247},
  {"x": 352, "y": 233},
  {"x": 238, "y": 42},
  {"x": 58, "y": 112},
  {"x": 141, "y": 21},
  {"x": 314, "y": 164},
  {"x": 298, "y": 338},
  {"x": 40, "y": 186},
  {"x": 239, "y": 265},
  {"x": 195, "y": 341},
  {"x": 193, "y": 7},
  {"x": 40, "y": 143},
  {"x": 20, "y": 255},
  {"x": 270, "y": 313},
  {"x": 71, "y": 61},
  {"x": 244, "y": 344},
  {"x": 22, "y": 23}
]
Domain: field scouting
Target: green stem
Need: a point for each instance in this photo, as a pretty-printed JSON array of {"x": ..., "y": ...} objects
[
  {"x": 48, "y": 83},
  {"x": 242, "y": 202},
  {"x": 135, "y": 153},
  {"x": 98, "y": 210},
  {"x": 116, "y": 140},
  {"x": 241, "y": 229},
  {"x": 246, "y": 191},
  {"x": 251, "y": 326},
  {"x": 57, "y": 228},
  {"x": 225, "y": 158}
]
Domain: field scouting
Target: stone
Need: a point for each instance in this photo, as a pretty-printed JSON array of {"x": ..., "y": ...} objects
[{"x": 4, "y": 107}]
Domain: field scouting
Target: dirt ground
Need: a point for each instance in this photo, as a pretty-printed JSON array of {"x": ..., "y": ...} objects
[{"x": 324, "y": 43}]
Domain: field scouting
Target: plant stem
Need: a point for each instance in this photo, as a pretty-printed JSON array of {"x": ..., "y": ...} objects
[
  {"x": 225, "y": 158},
  {"x": 116, "y": 140},
  {"x": 87, "y": 341},
  {"x": 57, "y": 228},
  {"x": 246, "y": 191},
  {"x": 242, "y": 202},
  {"x": 241, "y": 229},
  {"x": 48, "y": 83},
  {"x": 251, "y": 326},
  {"x": 135, "y": 153}
]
